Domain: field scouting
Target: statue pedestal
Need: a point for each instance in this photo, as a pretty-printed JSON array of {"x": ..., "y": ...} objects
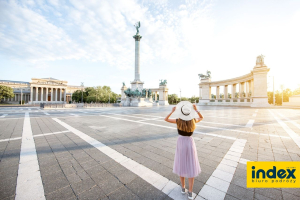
[
  {"x": 203, "y": 102},
  {"x": 137, "y": 102},
  {"x": 163, "y": 103}
]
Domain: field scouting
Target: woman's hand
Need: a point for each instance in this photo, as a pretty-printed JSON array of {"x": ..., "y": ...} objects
[
  {"x": 195, "y": 107},
  {"x": 173, "y": 109}
]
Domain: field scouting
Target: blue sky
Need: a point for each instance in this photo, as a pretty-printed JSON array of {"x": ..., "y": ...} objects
[{"x": 91, "y": 41}]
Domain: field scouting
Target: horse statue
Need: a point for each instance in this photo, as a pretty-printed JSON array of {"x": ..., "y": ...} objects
[
  {"x": 202, "y": 76},
  {"x": 163, "y": 82},
  {"x": 128, "y": 92}
]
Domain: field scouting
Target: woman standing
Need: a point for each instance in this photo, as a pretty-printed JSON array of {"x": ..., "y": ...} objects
[{"x": 186, "y": 164}]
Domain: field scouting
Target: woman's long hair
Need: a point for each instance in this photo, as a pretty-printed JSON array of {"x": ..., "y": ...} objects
[{"x": 186, "y": 126}]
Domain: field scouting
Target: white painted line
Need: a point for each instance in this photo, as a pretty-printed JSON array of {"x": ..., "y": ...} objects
[
  {"x": 196, "y": 132},
  {"x": 289, "y": 120},
  {"x": 29, "y": 181},
  {"x": 250, "y": 123},
  {"x": 218, "y": 183},
  {"x": 289, "y": 131},
  {"x": 46, "y": 113},
  {"x": 167, "y": 186},
  {"x": 39, "y": 135},
  {"x": 73, "y": 114},
  {"x": 2, "y": 116},
  {"x": 243, "y": 161}
]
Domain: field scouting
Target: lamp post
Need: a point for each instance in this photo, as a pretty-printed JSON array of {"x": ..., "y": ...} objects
[
  {"x": 81, "y": 92},
  {"x": 180, "y": 93}
]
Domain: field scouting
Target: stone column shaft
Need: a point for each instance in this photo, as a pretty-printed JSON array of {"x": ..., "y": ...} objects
[
  {"x": 60, "y": 94},
  {"x": 47, "y": 94},
  {"x": 65, "y": 95},
  {"x": 36, "y": 93},
  {"x": 217, "y": 92},
  {"x": 42, "y": 94},
  {"x": 226, "y": 92},
  {"x": 55, "y": 94}
]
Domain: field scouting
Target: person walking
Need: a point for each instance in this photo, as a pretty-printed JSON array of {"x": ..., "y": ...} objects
[{"x": 186, "y": 164}]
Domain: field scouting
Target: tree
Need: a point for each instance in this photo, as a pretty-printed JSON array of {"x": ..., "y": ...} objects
[
  {"x": 194, "y": 99},
  {"x": 6, "y": 92},
  {"x": 76, "y": 96},
  {"x": 213, "y": 96},
  {"x": 173, "y": 99}
]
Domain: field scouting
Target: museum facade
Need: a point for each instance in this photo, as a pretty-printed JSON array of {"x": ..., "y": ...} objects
[{"x": 40, "y": 90}]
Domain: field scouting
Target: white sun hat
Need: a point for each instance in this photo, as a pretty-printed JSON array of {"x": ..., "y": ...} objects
[{"x": 185, "y": 111}]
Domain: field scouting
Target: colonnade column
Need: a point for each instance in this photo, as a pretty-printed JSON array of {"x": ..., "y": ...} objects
[
  {"x": 55, "y": 94},
  {"x": 42, "y": 94},
  {"x": 65, "y": 94},
  {"x": 51, "y": 90},
  {"x": 60, "y": 94},
  {"x": 247, "y": 88},
  {"x": 36, "y": 93},
  {"x": 252, "y": 88},
  {"x": 31, "y": 94},
  {"x": 217, "y": 92},
  {"x": 225, "y": 91},
  {"x": 155, "y": 95},
  {"x": 47, "y": 94}
]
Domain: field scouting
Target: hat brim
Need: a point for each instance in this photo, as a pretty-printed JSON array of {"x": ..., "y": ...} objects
[{"x": 178, "y": 114}]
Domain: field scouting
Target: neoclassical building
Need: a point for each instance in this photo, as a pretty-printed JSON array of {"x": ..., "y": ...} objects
[{"x": 41, "y": 90}]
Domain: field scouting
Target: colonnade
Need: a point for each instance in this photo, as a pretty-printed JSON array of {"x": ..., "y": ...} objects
[
  {"x": 41, "y": 94},
  {"x": 246, "y": 89}
]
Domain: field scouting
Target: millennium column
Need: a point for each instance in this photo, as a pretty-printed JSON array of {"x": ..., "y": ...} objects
[{"x": 137, "y": 83}]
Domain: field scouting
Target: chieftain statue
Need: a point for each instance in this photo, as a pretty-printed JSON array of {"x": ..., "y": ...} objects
[
  {"x": 202, "y": 76},
  {"x": 260, "y": 60}
]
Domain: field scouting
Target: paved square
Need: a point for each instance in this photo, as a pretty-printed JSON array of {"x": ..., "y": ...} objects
[{"x": 127, "y": 153}]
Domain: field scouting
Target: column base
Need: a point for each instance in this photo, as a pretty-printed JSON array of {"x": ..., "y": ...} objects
[{"x": 260, "y": 102}]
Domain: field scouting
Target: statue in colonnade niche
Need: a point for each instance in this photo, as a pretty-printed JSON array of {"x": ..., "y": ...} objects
[
  {"x": 144, "y": 93},
  {"x": 260, "y": 60},
  {"x": 202, "y": 76},
  {"x": 149, "y": 93}
]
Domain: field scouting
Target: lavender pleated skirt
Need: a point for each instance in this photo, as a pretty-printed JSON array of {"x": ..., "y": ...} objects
[{"x": 186, "y": 162}]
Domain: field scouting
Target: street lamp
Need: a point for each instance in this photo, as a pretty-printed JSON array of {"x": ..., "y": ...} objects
[
  {"x": 82, "y": 92},
  {"x": 180, "y": 93}
]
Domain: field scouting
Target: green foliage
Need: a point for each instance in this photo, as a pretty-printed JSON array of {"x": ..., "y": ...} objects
[
  {"x": 99, "y": 94},
  {"x": 229, "y": 95},
  {"x": 173, "y": 99},
  {"x": 6, "y": 92},
  {"x": 237, "y": 95},
  {"x": 278, "y": 96},
  {"x": 213, "y": 96},
  {"x": 23, "y": 102},
  {"x": 193, "y": 99}
]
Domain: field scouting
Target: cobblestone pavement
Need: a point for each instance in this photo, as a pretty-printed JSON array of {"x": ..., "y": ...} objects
[{"x": 127, "y": 153}]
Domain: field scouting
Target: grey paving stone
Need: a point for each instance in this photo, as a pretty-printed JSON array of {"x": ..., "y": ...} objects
[
  {"x": 51, "y": 186},
  {"x": 94, "y": 193},
  {"x": 240, "y": 192},
  {"x": 260, "y": 197},
  {"x": 229, "y": 197},
  {"x": 289, "y": 196},
  {"x": 82, "y": 186},
  {"x": 272, "y": 193},
  {"x": 63, "y": 193},
  {"x": 123, "y": 193},
  {"x": 107, "y": 182}
]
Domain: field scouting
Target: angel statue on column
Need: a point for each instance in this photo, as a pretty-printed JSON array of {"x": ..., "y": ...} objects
[{"x": 137, "y": 26}]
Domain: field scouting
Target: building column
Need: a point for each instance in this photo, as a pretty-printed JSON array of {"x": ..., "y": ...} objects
[
  {"x": 36, "y": 93},
  {"x": 252, "y": 88},
  {"x": 31, "y": 94},
  {"x": 47, "y": 94},
  {"x": 155, "y": 95},
  {"x": 60, "y": 94},
  {"x": 71, "y": 97},
  {"x": 65, "y": 95},
  {"x": 55, "y": 94},
  {"x": 42, "y": 94},
  {"x": 247, "y": 89},
  {"x": 225, "y": 91},
  {"x": 218, "y": 92},
  {"x": 51, "y": 90}
]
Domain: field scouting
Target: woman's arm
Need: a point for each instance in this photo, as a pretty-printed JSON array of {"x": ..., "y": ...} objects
[
  {"x": 199, "y": 114},
  {"x": 171, "y": 120}
]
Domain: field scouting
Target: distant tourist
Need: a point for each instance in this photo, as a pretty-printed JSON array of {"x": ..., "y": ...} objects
[{"x": 186, "y": 164}]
